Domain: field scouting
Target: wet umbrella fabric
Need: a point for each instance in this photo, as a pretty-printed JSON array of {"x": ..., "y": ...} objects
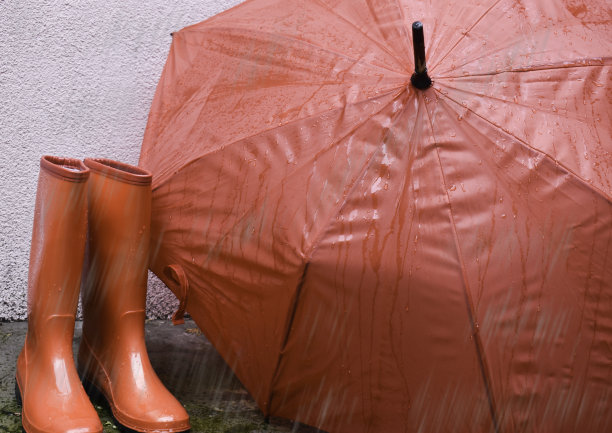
[{"x": 370, "y": 257}]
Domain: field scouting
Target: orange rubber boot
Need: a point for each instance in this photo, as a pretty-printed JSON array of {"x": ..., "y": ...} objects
[
  {"x": 112, "y": 357},
  {"x": 48, "y": 386}
]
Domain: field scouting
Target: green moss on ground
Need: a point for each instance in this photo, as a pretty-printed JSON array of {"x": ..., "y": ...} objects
[
  {"x": 216, "y": 420},
  {"x": 10, "y": 417}
]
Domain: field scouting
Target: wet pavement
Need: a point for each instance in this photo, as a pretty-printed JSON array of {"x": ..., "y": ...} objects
[{"x": 188, "y": 365}]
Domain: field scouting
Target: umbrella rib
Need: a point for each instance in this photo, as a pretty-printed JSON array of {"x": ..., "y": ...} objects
[
  {"x": 222, "y": 147},
  {"x": 557, "y": 163},
  {"x": 466, "y": 291},
  {"x": 463, "y": 35}
]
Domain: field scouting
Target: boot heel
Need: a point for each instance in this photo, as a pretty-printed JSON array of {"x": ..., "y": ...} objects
[
  {"x": 18, "y": 394},
  {"x": 95, "y": 395}
]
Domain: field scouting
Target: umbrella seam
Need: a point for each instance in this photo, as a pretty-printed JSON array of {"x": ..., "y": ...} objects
[
  {"x": 524, "y": 143},
  {"x": 606, "y": 61},
  {"x": 204, "y": 99},
  {"x": 315, "y": 243},
  {"x": 463, "y": 36},
  {"x": 407, "y": 36},
  {"x": 284, "y": 36},
  {"x": 288, "y": 325},
  {"x": 385, "y": 36},
  {"x": 377, "y": 43},
  {"x": 466, "y": 290},
  {"x": 541, "y": 110}
]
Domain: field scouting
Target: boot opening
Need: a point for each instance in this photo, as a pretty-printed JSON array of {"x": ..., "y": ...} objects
[
  {"x": 119, "y": 171},
  {"x": 66, "y": 168}
]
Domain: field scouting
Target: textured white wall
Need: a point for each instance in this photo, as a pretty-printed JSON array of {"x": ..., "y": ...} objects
[{"x": 76, "y": 79}]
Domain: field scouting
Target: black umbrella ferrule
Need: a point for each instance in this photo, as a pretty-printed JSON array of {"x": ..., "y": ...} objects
[{"x": 419, "y": 79}]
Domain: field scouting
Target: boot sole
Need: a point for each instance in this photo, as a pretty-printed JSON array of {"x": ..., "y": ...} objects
[
  {"x": 98, "y": 397},
  {"x": 20, "y": 403}
]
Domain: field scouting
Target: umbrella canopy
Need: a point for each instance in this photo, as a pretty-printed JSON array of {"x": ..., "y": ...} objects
[{"x": 373, "y": 257}]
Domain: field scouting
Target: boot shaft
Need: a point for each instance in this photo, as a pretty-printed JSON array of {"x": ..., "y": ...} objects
[
  {"x": 58, "y": 241},
  {"x": 113, "y": 354},
  {"x": 47, "y": 382},
  {"x": 119, "y": 212}
]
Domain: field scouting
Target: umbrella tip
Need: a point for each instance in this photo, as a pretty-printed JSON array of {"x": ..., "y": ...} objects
[{"x": 420, "y": 79}]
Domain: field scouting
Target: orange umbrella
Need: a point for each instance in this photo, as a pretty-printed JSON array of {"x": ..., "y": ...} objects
[{"x": 371, "y": 256}]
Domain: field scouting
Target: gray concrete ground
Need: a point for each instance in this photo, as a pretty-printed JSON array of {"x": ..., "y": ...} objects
[{"x": 187, "y": 364}]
